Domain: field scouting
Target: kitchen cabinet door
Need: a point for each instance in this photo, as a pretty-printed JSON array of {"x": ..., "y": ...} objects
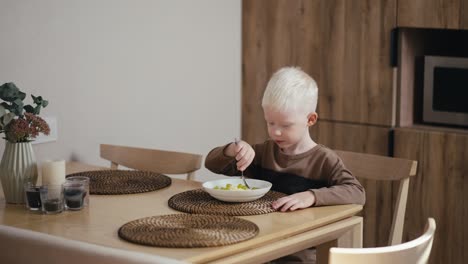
[{"x": 439, "y": 190}]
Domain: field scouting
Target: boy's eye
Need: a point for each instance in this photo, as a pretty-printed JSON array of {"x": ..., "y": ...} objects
[{"x": 271, "y": 123}]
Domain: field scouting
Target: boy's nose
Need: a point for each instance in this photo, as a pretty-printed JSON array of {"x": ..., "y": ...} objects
[{"x": 278, "y": 132}]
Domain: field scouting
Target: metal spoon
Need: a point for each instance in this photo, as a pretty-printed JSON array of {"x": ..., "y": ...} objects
[{"x": 236, "y": 140}]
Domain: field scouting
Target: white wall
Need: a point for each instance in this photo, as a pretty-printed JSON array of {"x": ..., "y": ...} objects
[{"x": 147, "y": 73}]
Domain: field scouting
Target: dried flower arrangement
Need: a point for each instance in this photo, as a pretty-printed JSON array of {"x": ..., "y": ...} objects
[{"x": 19, "y": 122}]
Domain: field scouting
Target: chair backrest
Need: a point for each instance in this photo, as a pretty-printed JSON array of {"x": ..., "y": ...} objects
[
  {"x": 375, "y": 167},
  {"x": 25, "y": 246},
  {"x": 416, "y": 251},
  {"x": 160, "y": 161}
]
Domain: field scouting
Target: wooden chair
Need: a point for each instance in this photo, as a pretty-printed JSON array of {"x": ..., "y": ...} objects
[
  {"x": 416, "y": 251},
  {"x": 375, "y": 167},
  {"x": 25, "y": 246},
  {"x": 160, "y": 161}
]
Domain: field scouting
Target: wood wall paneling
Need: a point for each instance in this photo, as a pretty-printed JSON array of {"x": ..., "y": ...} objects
[
  {"x": 464, "y": 14},
  {"x": 352, "y": 137},
  {"x": 433, "y": 13},
  {"x": 355, "y": 83},
  {"x": 274, "y": 34},
  {"x": 439, "y": 190},
  {"x": 343, "y": 45},
  {"x": 380, "y": 195},
  {"x": 254, "y": 69}
]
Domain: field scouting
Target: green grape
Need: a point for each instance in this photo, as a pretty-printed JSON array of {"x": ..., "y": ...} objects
[
  {"x": 229, "y": 187},
  {"x": 241, "y": 186}
]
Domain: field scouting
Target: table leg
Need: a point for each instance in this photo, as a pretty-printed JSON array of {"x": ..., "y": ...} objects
[
  {"x": 323, "y": 249},
  {"x": 356, "y": 234},
  {"x": 352, "y": 239}
]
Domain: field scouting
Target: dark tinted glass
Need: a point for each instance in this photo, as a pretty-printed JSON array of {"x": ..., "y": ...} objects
[{"x": 450, "y": 90}]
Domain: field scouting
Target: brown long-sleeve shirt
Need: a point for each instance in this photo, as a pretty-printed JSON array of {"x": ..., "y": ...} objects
[{"x": 319, "y": 170}]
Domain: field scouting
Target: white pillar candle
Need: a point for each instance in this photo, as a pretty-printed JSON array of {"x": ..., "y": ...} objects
[{"x": 53, "y": 172}]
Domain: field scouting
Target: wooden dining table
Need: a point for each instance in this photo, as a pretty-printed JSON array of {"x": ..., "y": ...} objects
[{"x": 281, "y": 233}]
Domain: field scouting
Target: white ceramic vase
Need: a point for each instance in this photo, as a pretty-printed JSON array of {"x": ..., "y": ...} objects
[{"x": 17, "y": 167}]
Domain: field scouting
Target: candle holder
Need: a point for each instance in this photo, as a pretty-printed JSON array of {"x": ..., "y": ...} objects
[
  {"x": 74, "y": 194},
  {"x": 32, "y": 196},
  {"x": 83, "y": 180},
  {"x": 52, "y": 199}
]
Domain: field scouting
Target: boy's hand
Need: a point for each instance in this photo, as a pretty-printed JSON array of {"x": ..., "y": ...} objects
[
  {"x": 243, "y": 153},
  {"x": 294, "y": 201}
]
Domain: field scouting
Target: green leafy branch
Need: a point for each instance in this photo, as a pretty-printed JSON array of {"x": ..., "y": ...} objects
[{"x": 13, "y": 104}]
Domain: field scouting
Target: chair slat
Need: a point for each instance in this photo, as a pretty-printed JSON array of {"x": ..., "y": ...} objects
[
  {"x": 160, "y": 161},
  {"x": 375, "y": 167},
  {"x": 382, "y": 168}
]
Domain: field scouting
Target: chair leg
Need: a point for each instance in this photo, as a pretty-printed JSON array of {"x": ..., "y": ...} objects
[
  {"x": 396, "y": 232},
  {"x": 114, "y": 165},
  {"x": 191, "y": 176}
]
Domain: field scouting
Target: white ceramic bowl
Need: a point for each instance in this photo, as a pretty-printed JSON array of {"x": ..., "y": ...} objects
[{"x": 237, "y": 195}]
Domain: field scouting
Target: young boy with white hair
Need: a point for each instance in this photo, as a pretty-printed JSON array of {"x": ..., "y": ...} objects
[{"x": 309, "y": 173}]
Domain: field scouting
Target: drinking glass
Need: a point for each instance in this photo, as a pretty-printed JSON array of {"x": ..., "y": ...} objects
[
  {"x": 33, "y": 196},
  {"x": 85, "y": 181},
  {"x": 74, "y": 193},
  {"x": 52, "y": 198}
]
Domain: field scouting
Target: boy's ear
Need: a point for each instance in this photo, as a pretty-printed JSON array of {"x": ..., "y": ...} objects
[{"x": 312, "y": 119}]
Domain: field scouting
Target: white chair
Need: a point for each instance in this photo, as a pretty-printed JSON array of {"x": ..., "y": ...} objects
[
  {"x": 416, "y": 251},
  {"x": 160, "y": 161},
  {"x": 18, "y": 246}
]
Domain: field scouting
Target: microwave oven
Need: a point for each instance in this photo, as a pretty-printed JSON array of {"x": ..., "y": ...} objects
[{"x": 445, "y": 92}]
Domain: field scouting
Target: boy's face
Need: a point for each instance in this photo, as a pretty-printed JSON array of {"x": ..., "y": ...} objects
[{"x": 289, "y": 129}]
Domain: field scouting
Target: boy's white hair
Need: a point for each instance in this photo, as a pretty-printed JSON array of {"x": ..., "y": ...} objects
[{"x": 290, "y": 88}]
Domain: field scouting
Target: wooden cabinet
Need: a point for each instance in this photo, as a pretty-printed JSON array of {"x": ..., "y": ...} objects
[
  {"x": 449, "y": 14},
  {"x": 351, "y": 137},
  {"x": 355, "y": 78},
  {"x": 343, "y": 45},
  {"x": 439, "y": 190}
]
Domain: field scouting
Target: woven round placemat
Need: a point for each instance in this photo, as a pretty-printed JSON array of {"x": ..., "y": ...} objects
[
  {"x": 188, "y": 231},
  {"x": 124, "y": 181},
  {"x": 200, "y": 202}
]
